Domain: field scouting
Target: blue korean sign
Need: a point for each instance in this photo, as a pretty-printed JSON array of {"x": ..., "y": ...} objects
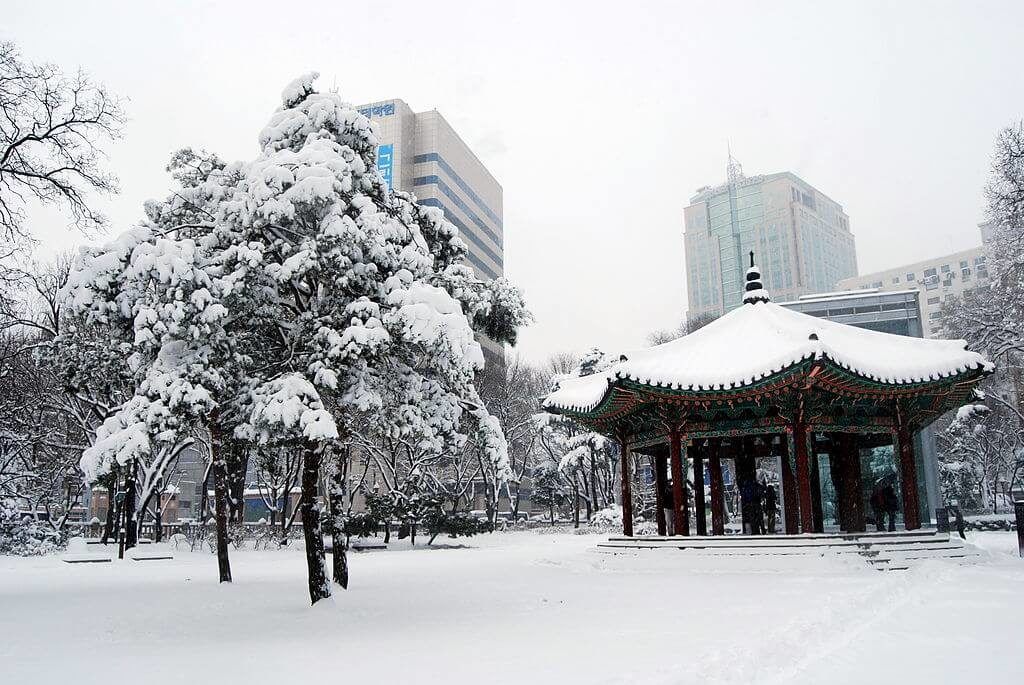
[
  {"x": 385, "y": 162},
  {"x": 384, "y": 110}
]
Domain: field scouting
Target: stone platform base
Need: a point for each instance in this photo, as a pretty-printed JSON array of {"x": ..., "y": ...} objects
[{"x": 885, "y": 551}]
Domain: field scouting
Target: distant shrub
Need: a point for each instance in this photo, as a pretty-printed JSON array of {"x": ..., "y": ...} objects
[{"x": 24, "y": 536}]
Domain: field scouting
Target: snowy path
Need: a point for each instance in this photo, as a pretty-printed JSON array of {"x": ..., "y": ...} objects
[{"x": 513, "y": 608}]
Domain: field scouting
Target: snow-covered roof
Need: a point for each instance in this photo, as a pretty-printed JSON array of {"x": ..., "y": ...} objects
[{"x": 760, "y": 339}]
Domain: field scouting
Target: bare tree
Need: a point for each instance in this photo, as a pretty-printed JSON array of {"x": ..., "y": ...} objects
[
  {"x": 51, "y": 128},
  {"x": 512, "y": 393},
  {"x": 562, "y": 363},
  {"x": 686, "y": 326}
]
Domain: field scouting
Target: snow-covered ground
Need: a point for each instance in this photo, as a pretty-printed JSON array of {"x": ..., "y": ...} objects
[{"x": 515, "y": 608}]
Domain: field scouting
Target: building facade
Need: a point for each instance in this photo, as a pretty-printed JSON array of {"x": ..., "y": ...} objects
[
  {"x": 421, "y": 153},
  {"x": 936, "y": 280},
  {"x": 801, "y": 237}
]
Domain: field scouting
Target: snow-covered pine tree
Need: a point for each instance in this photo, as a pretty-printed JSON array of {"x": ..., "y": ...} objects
[
  {"x": 266, "y": 291},
  {"x": 165, "y": 290}
]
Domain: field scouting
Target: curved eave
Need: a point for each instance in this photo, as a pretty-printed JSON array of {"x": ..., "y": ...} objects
[{"x": 624, "y": 394}]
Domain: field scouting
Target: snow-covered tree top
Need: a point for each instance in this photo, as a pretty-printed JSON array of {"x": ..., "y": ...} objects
[{"x": 259, "y": 286}]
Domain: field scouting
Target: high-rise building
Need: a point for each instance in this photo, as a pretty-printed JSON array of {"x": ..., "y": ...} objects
[
  {"x": 801, "y": 238},
  {"x": 935, "y": 279},
  {"x": 421, "y": 153}
]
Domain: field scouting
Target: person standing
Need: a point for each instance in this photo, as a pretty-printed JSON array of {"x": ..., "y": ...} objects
[
  {"x": 878, "y": 505},
  {"x": 769, "y": 501},
  {"x": 891, "y": 504},
  {"x": 750, "y": 499}
]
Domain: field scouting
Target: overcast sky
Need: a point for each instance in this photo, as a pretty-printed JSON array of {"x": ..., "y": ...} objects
[{"x": 599, "y": 120}]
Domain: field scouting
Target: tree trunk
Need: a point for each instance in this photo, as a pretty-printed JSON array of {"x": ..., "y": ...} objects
[
  {"x": 158, "y": 523},
  {"x": 220, "y": 496},
  {"x": 285, "y": 503},
  {"x": 204, "y": 496},
  {"x": 339, "y": 546},
  {"x": 131, "y": 528},
  {"x": 220, "y": 500},
  {"x": 575, "y": 503},
  {"x": 319, "y": 586},
  {"x": 110, "y": 527},
  {"x": 238, "y": 464},
  {"x": 586, "y": 500},
  {"x": 593, "y": 482}
]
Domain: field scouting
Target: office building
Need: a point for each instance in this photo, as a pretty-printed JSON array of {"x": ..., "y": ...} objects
[
  {"x": 935, "y": 279},
  {"x": 801, "y": 238},
  {"x": 421, "y": 153}
]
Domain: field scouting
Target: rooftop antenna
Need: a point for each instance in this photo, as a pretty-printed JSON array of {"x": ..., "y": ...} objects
[{"x": 733, "y": 170}]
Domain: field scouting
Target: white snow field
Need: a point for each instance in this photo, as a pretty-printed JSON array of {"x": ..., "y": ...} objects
[{"x": 515, "y": 608}]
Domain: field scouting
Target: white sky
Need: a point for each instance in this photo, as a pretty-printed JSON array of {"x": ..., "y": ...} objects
[{"x": 600, "y": 120}]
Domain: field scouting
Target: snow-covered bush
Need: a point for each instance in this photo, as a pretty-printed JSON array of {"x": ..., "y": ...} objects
[
  {"x": 23, "y": 536},
  {"x": 607, "y": 520},
  {"x": 440, "y": 522},
  {"x": 645, "y": 528}
]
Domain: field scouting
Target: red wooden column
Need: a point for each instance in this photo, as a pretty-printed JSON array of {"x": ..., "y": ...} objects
[
  {"x": 698, "y": 490},
  {"x": 791, "y": 513},
  {"x": 627, "y": 493},
  {"x": 908, "y": 477},
  {"x": 717, "y": 487},
  {"x": 803, "y": 476},
  {"x": 817, "y": 509},
  {"x": 853, "y": 489},
  {"x": 659, "y": 466},
  {"x": 680, "y": 512}
]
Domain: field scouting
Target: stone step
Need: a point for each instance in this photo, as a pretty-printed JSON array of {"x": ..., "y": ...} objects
[
  {"x": 792, "y": 543},
  {"x": 883, "y": 551}
]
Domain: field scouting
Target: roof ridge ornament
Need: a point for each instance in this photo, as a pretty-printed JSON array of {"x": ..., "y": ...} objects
[{"x": 754, "y": 291}]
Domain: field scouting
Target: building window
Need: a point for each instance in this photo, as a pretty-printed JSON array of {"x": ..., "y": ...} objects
[
  {"x": 911, "y": 278},
  {"x": 896, "y": 280},
  {"x": 963, "y": 264},
  {"x": 876, "y": 284},
  {"x": 945, "y": 268},
  {"x": 965, "y": 274},
  {"x": 933, "y": 300},
  {"x": 935, "y": 315}
]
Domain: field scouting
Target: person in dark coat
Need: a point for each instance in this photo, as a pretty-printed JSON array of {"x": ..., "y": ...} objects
[
  {"x": 958, "y": 516},
  {"x": 878, "y": 505},
  {"x": 768, "y": 502},
  {"x": 891, "y": 504},
  {"x": 750, "y": 500},
  {"x": 885, "y": 504}
]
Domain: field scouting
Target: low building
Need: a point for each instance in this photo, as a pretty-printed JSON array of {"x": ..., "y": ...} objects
[{"x": 936, "y": 280}]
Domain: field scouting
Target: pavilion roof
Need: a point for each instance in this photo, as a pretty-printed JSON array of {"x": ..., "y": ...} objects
[{"x": 760, "y": 340}]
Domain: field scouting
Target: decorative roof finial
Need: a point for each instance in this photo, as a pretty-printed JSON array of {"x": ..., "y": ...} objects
[{"x": 754, "y": 291}]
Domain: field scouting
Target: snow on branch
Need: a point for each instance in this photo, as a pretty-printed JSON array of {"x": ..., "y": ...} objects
[{"x": 289, "y": 407}]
